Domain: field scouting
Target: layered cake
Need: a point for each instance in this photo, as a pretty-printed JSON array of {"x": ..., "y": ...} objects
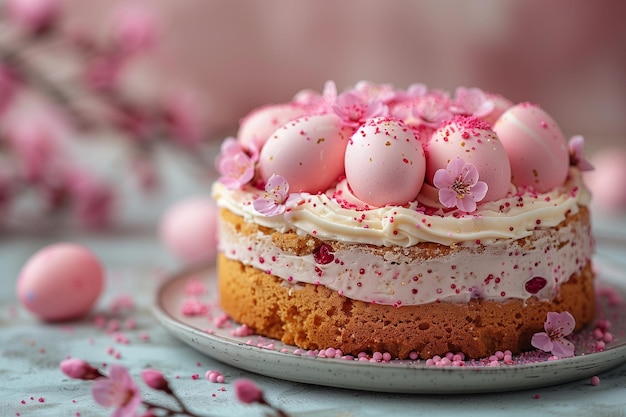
[{"x": 414, "y": 222}]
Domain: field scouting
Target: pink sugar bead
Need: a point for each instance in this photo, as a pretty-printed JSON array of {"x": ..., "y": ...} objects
[
  {"x": 377, "y": 356},
  {"x": 413, "y": 355},
  {"x": 608, "y": 337},
  {"x": 595, "y": 380},
  {"x": 386, "y": 356}
]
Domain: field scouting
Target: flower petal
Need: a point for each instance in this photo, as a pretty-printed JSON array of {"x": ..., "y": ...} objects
[
  {"x": 563, "y": 348},
  {"x": 479, "y": 190},
  {"x": 447, "y": 197},
  {"x": 542, "y": 341},
  {"x": 443, "y": 179},
  {"x": 466, "y": 204},
  {"x": 268, "y": 206}
]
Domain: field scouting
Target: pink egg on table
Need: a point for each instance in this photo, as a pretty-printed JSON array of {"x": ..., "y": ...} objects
[
  {"x": 472, "y": 140},
  {"x": 385, "y": 163},
  {"x": 188, "y": 228},
  {"x": 260, "y": 123},
  {"x": 60, "y": 282},
  {"x": 536, "y": 147},
  {"x": 308, "y": 152}
]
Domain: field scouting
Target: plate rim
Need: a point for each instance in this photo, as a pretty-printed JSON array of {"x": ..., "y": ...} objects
[{"x": 589, "y": 364}]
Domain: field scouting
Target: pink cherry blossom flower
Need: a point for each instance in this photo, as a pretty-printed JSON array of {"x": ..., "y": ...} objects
[
  {"x": 471, "y": 102},
  {"x": 557, "y": 327},
  {"x": 236, "y": 168},
  {"x": 576, "y": 157},
  {"x": 354, "y": 108},
  {"x": 119, "y": 391},
  {"x": 276, "y": 198},
  {"x": 33, "y": 16},
  {"x": 459, "y": 186},
  {"x": 248, "y": 392},
  {"x": 318, "y": 103},
  {"x": 79, "y": 369},
  {"x": 432, "y": 109},
  {"x": 382, "y": 92}
]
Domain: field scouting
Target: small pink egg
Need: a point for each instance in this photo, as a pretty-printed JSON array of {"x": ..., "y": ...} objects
[
  {"x": 536, "y": 147},
  {"x": 385, "y": 163},
  {"x": 472, "y": 140},
  {"x": 60, "y": 282},
  {"x": 308, "y": 152},
  {"x": 189, "y": 229},
  {"x": 260, "y": 123}
]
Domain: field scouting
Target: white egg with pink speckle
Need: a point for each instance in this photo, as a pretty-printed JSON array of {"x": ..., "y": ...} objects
[
  {"x": 308, "y": 152},
  {"x": 260, "y": 123},
  {"x": 61, "y": 282},
  {"x": 385, "y": 163},
  {"x": 472, "y": 140},
  {"x": 188, "y": 228},
  {"x": 536, "y": 147}
]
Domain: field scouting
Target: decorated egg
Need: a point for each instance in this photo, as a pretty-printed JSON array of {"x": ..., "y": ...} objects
[
  {"x": 189, "y": 229},
  {"x": 536, "y": 147},
  {"x": 257, "y": 126},
  {"x": 385, "y": 163},
  {"x": 472, "y": 140},
  {"x": 308, "y": 152},
  {"x": 60, "y": 282}
]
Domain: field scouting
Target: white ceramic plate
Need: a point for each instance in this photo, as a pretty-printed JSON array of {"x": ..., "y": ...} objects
[{"x": 272, "y": 358}]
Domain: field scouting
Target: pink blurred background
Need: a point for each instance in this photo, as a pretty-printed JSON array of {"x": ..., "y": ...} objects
[{"x": 569, "y": 56}]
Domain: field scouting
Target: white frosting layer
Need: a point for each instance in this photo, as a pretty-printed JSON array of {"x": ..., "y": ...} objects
[{"x": 486, "y": 260}]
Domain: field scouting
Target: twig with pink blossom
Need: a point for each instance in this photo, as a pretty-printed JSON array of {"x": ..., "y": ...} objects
[{"x": 119, "y": 391}]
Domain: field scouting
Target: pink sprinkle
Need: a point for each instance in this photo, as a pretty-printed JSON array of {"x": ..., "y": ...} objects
[{"x": 595, "y": 381}]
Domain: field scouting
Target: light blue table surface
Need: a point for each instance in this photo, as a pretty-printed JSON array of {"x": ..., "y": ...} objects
[{"x": 136, "y": 263}]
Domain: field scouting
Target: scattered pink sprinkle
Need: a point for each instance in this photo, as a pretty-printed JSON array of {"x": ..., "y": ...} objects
[{"x": 595, "y": 380}]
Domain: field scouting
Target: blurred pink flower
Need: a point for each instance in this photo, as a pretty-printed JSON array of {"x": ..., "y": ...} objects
[
  {"x": 471, "y": 102},
  {"x": 576, "y": 152},
  {"x": 459, "y": 186},
  {"x": 276, "y": 197},
  {"x": 557, "y": 327},
  {"x": 183, "y": 119},
  {"x": 8, "y": 87},
  {"x": 33, "y": 16},
  {"x": 382, "y": 92},
  {"x": 35, "y": 145},
  {"x": 92, "y": 200},
  {"x": 354, "y": 108},
  {"x": 102, "y": 73},
  {"x": 248, "y": 392},
  {"x": 134, "y": 29},
  {"x": 236, "y": 168},
  {"x": 79, "y": 369},
  {"x": 119, "y": 391}
]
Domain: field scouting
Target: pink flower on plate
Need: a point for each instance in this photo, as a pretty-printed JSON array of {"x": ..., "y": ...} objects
[
  {"x": 236, "y": 168},
  {"x": 557, "y": 327},
  {"x": 471, "y": 102},
  {"x": 276, "y": 197},
  {"x": 354, "y": 108},
  {"x": 119, "y": 391},
  {"x": 459, "y": 186},
  {"x": 576, "y": 157}
]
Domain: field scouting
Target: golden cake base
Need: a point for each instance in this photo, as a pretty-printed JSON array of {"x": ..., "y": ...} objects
[{"x": 314, "y": 317}]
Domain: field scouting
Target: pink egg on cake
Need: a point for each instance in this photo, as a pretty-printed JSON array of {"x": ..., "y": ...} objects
[
  {"x": 189, "y": 229},
  {"x": 308, "y": 152},
  {"x": 260, "y": 123},
  {"x": 536, "y": 147},
  {"x": 472, "y": 140},
  {"x": 60, "y": 282},
  {"x": 385, "y": 163}
]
